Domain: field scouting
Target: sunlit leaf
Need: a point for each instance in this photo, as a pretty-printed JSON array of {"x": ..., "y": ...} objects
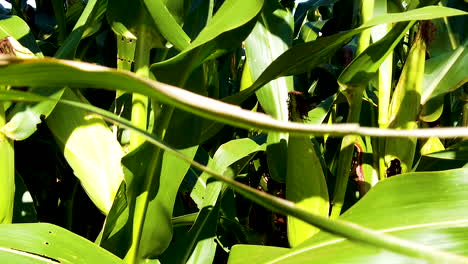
[
  {"x": 419, "y": 215},
  {"x": 44, "y": 244},
  {"x": 91, "y": 150}
]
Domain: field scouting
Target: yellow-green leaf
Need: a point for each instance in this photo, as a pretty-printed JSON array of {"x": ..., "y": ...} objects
[{"x": 90, "y": 149}]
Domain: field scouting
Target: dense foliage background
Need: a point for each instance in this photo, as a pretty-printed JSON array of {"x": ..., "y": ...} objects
[{"x": 234, "y": 131}]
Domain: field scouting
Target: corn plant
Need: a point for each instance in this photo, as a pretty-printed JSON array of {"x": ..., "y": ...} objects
[{"x": 233, "y": 131}]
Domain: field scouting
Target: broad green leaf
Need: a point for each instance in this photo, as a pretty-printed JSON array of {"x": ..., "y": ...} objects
[
  {"x": 155, "y": 238},
  {"x": 445, "y": 73},
  {"x": 90, "y": 149},
  {"x": 435, "y": 220},
  {"x": 305, "y": 186},
  {"x": 306, "y": 56},
  {"x": 338, "y": 227},
  {"x": 305, "y": 181},
  {"x": 211, "y": 42},
  {"x": 229, "y": 159},
  {"x": 43, "y": 243},
  {"x": 84, "y": 75},
  {"x": 309, "y": 31},
  {"x": 271, "y": 36},
  {"x": 217, "y": 37},
  {"x": 157, "y": 228}
]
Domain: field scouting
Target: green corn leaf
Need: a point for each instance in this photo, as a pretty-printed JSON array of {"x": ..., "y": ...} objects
[
  {"x": 166, "y": 23},
  {"x": 458, "y": 151},
  {"x": 338, "y": 227},
  {"x": 436, "y": 221},
  {"x": 29, "y": 72},
  {"x": 91, "y": 15},
  {"x": 216, "y": 38},
  {"x": 363, "y": 68},
  {"x": 305, "y": 186},
  {"x": 226, "y": 155},
  {"x": 455, "y": 156},
  {"x": 91, "y": 150},
  {"x": 445, "y": 73},
  {"x": 157, "y": 228},
  {"x": 155, "y": 238},
  {"x": 44, "y": 244},
  {"x": 306, "y": 56},
  {"x": 305, "y": 181},
  {"x": 271, "y": 36},
  {"x": 207, "y": 194},
  {"x": 212, "y": 42}
]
